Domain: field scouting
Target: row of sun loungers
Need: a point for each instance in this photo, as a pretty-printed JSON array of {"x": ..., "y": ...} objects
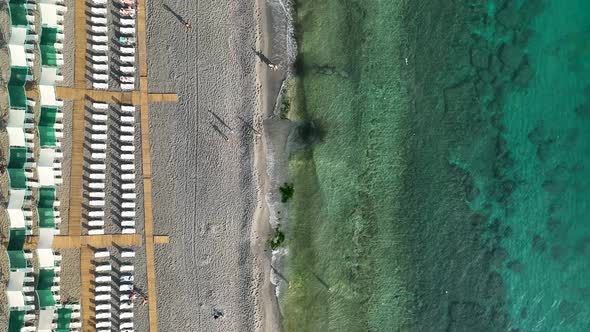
[
  {"x": 97, "y": 169},
  {"x": 114, "y": 128},
  {"x": 109, "y": 281},
  {"x": 98, "y": 44},
  {"x": 124, "y": 48}
]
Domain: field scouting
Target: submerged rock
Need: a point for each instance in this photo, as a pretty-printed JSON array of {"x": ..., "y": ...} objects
[
  {"x": 515, "y": 266},
  {"x": 509, "y": 17},
  {"x": 538, "y": 244},
  {"x": 480, "y": 58}
]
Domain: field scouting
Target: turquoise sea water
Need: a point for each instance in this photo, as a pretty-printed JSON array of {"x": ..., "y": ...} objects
[{"x": 449, "y": 191}]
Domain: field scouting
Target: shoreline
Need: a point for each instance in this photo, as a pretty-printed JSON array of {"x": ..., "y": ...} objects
[{"x": 270, "y": 162}]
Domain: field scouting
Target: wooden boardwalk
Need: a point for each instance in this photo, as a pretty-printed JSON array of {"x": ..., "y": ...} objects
[{"x": 81, "y": 96}]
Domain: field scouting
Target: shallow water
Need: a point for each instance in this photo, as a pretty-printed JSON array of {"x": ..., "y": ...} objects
[{"x": 448, "y": 192}]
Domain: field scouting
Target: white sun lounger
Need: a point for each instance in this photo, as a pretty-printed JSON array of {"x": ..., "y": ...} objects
[
  {"x": 98, "y": 146},
  {"x": 98, "y": 167},
  {"x": 96, "y": 223},
  {"x": 98, "y": 137},
  {"x": 129, "y": 196},
  {"x": 95, "y": 203},
  {"x": 102, "y": 289},
  {"x": 97, "y": 176},
  {"x": 99, "y": 67},
  {"x": 127, "y": 167},
  {"x": 127, "y": 325},
  {"x": 127, "y": 129},
  {"x": 96, "y": 214},
  {"x": 98, "y": 156},
  {"x": 127, "y": 22},
  {"x": 102, "y": 280},
  {"x": 100, "y": 48},
  {"x": 128, "y": 186},
  {"x": 103, "y": 315},
  {"x": 103, "y": 267},
  {"x": 129, "y": 177},
  {"x": 99, "y": 128},
  {"x": 128, "y": 223},
  {"x": 128, "y": 231},
  {"x": 127, "y": 86},
  {"x": 126, "y": 306},
  {"x": 127, "y": 31},
  {"x": 100, "y": 77},
  {"x": 97, "y": 194},
  {"x": 128, "y": 119},
  {"x": 130, "y": 59},
  {"x": 101, "y": 324},
  {"x": 127, "y": 50},
  {"x": 98, "y": 20},
  {"x": 98, "y": 11},
  {"x": 100, "y": 106},
  {"x": 126, "y": 138},
  {"x": 126, "y": 287},
  {"x": 127, "y": 108},
  {"x": 127, "y": 156},
  {"x": 100, "y": 86},
  {"x": 103, "y": 307},
  {"x": 98, "y": 29},
  {"x": 102, "y": 253},
  {"x": 128, "y": 205},
  {"x": 99, "y": 58},
  {"x": 127, "y": 69},
  {"x": 128, "y": 214},
  {"x": 126, "y": 315},
  {"x": 100, "y": 117},
  {"x": 99, "y": 39},
  {"x": 96, "y": 185},
  {"x": 96, "y": 232},
  {"x": 99, "y": 2},
  {"x": 128, "y": 148},
  {"x": 75, "y": 325},
  {"x": 127, "y": 253}
]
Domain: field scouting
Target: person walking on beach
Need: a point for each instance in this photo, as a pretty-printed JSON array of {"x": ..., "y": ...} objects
[{"x": 187, "y": 25}]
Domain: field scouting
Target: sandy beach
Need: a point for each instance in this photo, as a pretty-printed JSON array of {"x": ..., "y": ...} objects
[{"x": 208, "y": 167}]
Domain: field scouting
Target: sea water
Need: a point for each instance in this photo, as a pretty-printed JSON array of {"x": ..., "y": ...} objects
[{"x": 445, "y": 187}]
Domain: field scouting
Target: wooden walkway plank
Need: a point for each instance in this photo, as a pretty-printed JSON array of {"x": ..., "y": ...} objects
[
  {"x": 87, "y": 290},
  {"x": 75, "y": 213}
]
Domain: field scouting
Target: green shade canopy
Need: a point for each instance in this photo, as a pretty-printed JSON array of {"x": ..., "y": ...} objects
[
  {"x": 17, "y": 97},
  {"x": 17, "y": 260},
  {"x": 45, "y": 298},
  {"x": 46, "y": 136},
  {"x": 18, "y": 179},
  {"x": 45, "y": 280},
  {"x": 16, "y": 162},
  {"x": 48, "y": 55},
  {"x": 45, "y": 211},
  {"x": 47, "y": 48},
  {"x": 18, "y": 13},
  {"x": 16, "y": 320},
  {"x": 64, "y": 317},
  {"x": 16, "y": 239},
  {"x": 46, "y": 197},
  {"x": 48, "y": 116},
  {"x": 16, "y": 87},
  {"x": 18, "y": 76},
  {"x": 48, "y": 36},
  {"x": 46, "y": 218},
  {"x": 17, "y": 157}
]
